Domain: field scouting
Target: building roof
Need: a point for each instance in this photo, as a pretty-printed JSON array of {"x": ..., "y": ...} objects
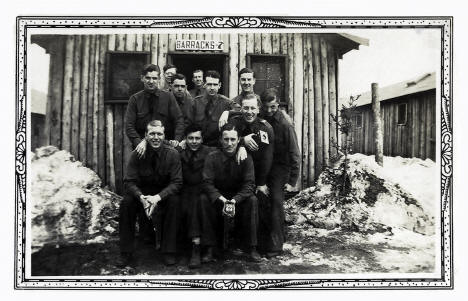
[{"x": 424, "y": 82}]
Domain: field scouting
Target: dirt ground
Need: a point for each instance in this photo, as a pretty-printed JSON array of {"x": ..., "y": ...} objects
[{"x": 318, "y": 252}]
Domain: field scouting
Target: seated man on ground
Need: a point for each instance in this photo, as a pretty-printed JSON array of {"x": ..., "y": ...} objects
[{"x": 152, "y": 182}]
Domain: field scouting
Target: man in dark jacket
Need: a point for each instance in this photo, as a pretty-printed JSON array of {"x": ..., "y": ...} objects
[
  {"x": 152, "y": 104},
  {"x": 229, "y": 184},
  {"x": 284, "y": 171},
  {"x": 209, "y": 107},
  {"x": 192, "y": 158},
  {"x": 152, "y": 182},
  {"x": 184, "y": 99}
]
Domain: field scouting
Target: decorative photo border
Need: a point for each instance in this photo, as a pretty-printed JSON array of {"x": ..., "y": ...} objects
[{"x": 445, "y": 24}]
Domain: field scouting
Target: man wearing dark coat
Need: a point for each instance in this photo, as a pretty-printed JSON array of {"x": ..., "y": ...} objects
[
  {"x": 284, "y": 171},
  {"x": 152, "y": 104},
  {"x": 152, "y": 184},
  {"x": 228, "y": 184}
]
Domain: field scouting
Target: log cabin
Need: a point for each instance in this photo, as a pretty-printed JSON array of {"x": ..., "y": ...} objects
[{"x": 92, "y": 76}]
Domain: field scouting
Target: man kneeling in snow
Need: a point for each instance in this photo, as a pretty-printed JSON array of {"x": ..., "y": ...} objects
[{"x": 152, "y": 181}]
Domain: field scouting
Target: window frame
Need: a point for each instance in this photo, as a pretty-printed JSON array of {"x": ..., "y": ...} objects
[
  {"x": 398, "y": 113},
  {"x": 285, "y": 102},
  {"x": 107, "y": 87}
]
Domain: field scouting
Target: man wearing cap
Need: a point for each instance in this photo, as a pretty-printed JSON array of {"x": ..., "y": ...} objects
[{"x": 151, "y": 183}]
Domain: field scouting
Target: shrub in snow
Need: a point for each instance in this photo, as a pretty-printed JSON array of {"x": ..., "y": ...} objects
[
  {"x": 374, "y": 202},
  {"x": 68, "y": 204}
]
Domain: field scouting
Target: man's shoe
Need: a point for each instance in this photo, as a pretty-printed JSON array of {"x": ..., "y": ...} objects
[
  {"x": 254, "y": 256},
  {"x": 195, "y": 258},
  {"x": 169, "y": 259},
  {"x": 272, "y": 254},
  {"x": 125, "y": 260},
  {"x": 208, "y": 257}
]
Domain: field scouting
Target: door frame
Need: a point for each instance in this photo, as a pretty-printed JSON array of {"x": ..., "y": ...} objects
[{"x": 225, "y": 56}]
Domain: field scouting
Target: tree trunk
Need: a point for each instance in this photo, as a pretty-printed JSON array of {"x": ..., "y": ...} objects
[{"x": 378, "y": 136}]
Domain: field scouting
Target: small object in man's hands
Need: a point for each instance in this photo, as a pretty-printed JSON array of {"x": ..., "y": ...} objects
[{"x": 229, "y": 208}]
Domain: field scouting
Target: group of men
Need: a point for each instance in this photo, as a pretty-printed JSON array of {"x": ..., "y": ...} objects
[{"x": 202, "y": 163}]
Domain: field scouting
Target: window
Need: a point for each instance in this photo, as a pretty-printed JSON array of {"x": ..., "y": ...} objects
[
  {"x": 402, "y": 113},
  {"x": 269, "y": 73},
  {"x": 358, "y": 120},
  {"x": 123, "y": 73}
]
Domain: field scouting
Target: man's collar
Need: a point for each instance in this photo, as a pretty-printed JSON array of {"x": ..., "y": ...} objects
[
  {"x": 244, "y": 93},
  {"x": 155, "y": 92},
  {"x": 227, "y": 157}
]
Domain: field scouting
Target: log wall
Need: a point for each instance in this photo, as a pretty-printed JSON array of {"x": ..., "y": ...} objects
[{"x": 416, "y": 138}]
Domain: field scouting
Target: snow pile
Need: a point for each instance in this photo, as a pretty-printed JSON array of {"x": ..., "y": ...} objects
[
  {"x": 375, "y": 202},
  {"x": 69, "y": 206}
]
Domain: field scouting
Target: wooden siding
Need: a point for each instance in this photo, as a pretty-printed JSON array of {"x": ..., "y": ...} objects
[
  {"x": 415, "y": 138},
  {"x": 94, "y": 132}
]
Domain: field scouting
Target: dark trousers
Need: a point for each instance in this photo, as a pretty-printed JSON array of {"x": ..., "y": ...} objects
[
  {"x": 245, "y": 221},
  {"x": 190, "y": 217},
  {"x": 272, "y": 214},
  {"x": 164, "y": 221}
]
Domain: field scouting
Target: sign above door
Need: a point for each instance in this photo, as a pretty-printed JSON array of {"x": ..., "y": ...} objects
[{"x": 203, "y": 45}]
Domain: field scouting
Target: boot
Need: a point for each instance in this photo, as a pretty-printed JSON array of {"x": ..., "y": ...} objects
[
  {"x": 125, "y": 260},
  {"x": 254, "y": 256},
  {"x": 195, "y": 258},
  {"x": 169, "y": 259},
  {"x": 208, "y": 257}
]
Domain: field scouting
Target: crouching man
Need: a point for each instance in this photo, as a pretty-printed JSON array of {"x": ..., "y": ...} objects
[
  {"x": 229, "y": 187},
  {"x": 151, "y": 182}
]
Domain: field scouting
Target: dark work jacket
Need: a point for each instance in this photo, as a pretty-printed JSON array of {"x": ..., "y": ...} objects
[
  {"x": 159, "y": 172},
  {"x": 263, "y": 157},
  {"x": 209, "y": 124},
  {"x": 144, "y": 107},
  {"x": 286, "y": 151},
  {"x": 238, "y": 100},
  {"x": 222, "y": 176},
  {"x": 192, "y": 171},
  {"x": 186, "y": 107},
  {"x": 197, "y": 92}
]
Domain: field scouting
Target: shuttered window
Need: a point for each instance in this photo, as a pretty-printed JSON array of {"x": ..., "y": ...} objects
[
  {"x": 123, "y": 74},
  {"x": 269, "y": 73}
]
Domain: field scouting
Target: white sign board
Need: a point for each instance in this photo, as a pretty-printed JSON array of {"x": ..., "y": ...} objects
[{"x": 203, "y": 45}]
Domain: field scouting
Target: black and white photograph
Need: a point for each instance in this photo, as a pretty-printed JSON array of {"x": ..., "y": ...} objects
[{"x": 233, "y": 152}]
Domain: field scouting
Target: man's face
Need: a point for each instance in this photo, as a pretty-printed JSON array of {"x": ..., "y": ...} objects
[
  {"x": 150, "y": 80},
  {"x": 169, "y": 74},
  {"x": 270, "y": 108},
  {"x": 194, "y": 140},
  {"x": 249, "y": 109},
  {"x": 179, "y": 87},
  {"x": 154, "y": 136},
  {"x": 247, "y": 82},
  {"x": 198, "y": 79},
  {"x": 212, "y": 86},
  {"x": 229, "y": 141}
]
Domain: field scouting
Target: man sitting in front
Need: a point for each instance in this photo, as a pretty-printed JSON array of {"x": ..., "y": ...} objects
[
  {"x": 151, "y": 182},
  {"x": 229, "y": 185}
]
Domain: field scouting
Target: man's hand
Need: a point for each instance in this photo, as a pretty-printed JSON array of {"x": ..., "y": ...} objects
[
  {"x": 144, "y": 199},
  {"x": 223, "y": 199},
  {"x": 154, "y": 200},
  {"x": 174, "y": 143},
  {"x": 241, "y": 155},
  {"x": 263, "y": 189},
  {"x": 141, "y": 149},
  {"x": 250, "y": 142},
  {"x": 183, "y": 144},
  {"x": 288, "y": 188},
  {"x": 223, "y": 119}
]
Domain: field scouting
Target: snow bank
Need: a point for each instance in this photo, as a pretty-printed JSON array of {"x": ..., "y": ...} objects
[
  {"x": 68, "y": 204},
  {"x": 399, "y": 195}
]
